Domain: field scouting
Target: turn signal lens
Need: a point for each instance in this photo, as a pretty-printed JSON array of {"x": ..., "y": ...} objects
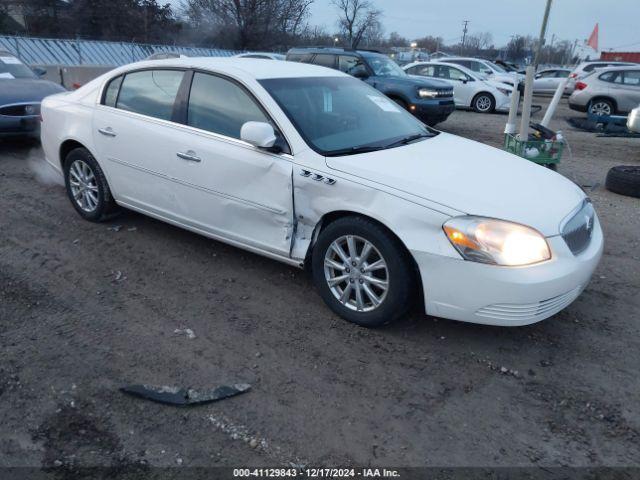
[{"x": 487, "y": 240}]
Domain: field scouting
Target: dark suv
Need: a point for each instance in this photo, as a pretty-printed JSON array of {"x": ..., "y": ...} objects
[{"x": 429, "y": 100}]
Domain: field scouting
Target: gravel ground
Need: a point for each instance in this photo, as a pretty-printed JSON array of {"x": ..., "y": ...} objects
[{"x": 86, "y": 308}]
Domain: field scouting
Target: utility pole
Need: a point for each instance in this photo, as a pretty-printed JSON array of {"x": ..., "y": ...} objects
[
  {"x": 464, "y": 33},
  {"x": 543, "y": 32}
]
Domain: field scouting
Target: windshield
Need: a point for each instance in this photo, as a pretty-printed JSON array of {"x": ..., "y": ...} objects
[
  {"x": 342, "y": 115},
  {"x": 496, "y": 68},
  {"x": 11, "y": 67},
  {"x": 384, "y": 67}
]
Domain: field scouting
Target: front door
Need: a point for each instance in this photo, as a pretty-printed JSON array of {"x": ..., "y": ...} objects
[{"x": 228, "y": 187}]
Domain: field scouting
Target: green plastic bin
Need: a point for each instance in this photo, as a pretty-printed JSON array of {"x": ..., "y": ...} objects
[{"x": 549, "y": 152}]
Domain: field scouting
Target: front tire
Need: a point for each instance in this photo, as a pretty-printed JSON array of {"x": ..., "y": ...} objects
[
  {"x": 87, "y": 187},
  {"x": 483, "y": 103},
  {"x": 362, "y": 272}
]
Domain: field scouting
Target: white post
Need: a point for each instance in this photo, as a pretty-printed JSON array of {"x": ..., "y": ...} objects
[
  {"x": 551, "y": 109},
  {"x": 510, "y": 127},
  {"x": 526, "y": 104}
]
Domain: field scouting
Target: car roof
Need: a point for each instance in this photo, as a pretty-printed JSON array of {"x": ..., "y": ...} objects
[
  {"x": 335, "y": 51},
  {"x": 257, "y": 68},
  {"x": 617, "y": 68},
  {"x": 464, "y": 58},
  {"x": 440, "y": 62}
]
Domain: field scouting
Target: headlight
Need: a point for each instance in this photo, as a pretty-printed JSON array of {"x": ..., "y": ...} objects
[
  {"x": 497, "y": 242},
  {"x": 504, "y": 91},
  {"x": 427, "y": 93}
]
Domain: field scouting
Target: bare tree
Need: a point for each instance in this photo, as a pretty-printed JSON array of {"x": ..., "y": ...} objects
[
  {"x": 253, "y": 23},
  {"x": 357, "y": 18}
]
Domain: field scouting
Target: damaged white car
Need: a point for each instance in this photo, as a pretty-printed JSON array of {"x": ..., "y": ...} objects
[{"x": 317, "y": 169}]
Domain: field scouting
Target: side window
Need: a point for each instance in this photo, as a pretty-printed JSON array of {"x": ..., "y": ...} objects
[
  {"x": 150, "y": 92},
  {"x": 608, "y": 76},
  {"x": 111, "y": 92},
  {"x": 455, "y": 74},
  {"x": 325, "y": 60},
  {"x": 562, "y": 73},
  {"x": 351, "y": 65},
  {"x": 426, "y": 70},
  {"x": 299, "y": 57},
  {"x": 221, "y": 106},
  {"x": 632, "y": 78},
  {"x": 476, "y": 67}
]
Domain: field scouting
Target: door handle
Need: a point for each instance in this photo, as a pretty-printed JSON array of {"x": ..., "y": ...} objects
[
  {"x": 190, "y": 155},
  {"x": 107, "y": 131}
]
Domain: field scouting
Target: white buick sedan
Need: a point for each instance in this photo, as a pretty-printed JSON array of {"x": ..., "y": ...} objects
[{"x": 317, "y": 169}]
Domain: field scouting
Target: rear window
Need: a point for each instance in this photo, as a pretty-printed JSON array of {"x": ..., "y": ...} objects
[
  {"x": 299, "y": 57},
  {"x": 150, "y": 92},
  {"x": 325, "y": 60}
]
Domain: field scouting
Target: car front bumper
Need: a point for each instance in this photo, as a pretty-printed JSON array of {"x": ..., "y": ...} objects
[
  {"x": 19, "y": 126},
  {"x": 432, "y": 111},
  {"x": 507, "y": 296}
]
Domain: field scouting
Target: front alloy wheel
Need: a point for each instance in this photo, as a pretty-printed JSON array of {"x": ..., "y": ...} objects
[
  {"x": 356, "y": 273},
  {"x": 363, "y": 272}
]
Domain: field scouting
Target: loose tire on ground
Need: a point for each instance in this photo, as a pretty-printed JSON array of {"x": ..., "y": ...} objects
[
  {"x": 625, "y": 180},
  {"x": 396, "y": 299},
  {"x": 102, "y": 206}
]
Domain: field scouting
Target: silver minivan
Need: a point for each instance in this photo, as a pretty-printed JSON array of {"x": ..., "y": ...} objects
[{"x": 607, "y": 91}]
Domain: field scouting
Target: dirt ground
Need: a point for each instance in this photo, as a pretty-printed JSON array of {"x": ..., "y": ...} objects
[{"x": 87, "y": 308}]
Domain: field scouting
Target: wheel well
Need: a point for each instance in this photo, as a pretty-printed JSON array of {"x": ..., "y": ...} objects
[
  {"x": 331, "y": 217},
  {"x": 66, "y": 147},
  {"x": 608, "y": 99}
]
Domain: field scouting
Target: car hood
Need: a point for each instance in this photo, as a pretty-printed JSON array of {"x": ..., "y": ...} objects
[
  {"x": 412, "y": 80},
  {"x": 24, "y": 90},
  {"x": 472, "y": 178}
]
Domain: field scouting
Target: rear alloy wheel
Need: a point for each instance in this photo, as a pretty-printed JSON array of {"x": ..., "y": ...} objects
[
  {"x": 362, "y": 272},
  {"x": 601, "y": 107},
  {"x": 483, "y": 103},
  {"x": 87, "y": 186}
]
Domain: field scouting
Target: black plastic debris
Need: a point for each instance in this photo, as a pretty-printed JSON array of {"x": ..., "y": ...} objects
[{"x": 184, "y": 396}]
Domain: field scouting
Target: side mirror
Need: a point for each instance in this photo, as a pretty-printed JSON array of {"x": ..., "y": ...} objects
[
  {"x": 41, "y": 72},
  {"x": 465, "y": 80},
  {"x": 361, "y": 74},
  {"x": 258, "y": 134},
  {"x": 538, "y": 75}
]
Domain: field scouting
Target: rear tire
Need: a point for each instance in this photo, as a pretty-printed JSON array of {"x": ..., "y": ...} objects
[
  {"x": 367, "y": 285},
  {"x": 601, "y": 106},
  {"x": 483, "y": 103},
  {"x": 87, "y": 187}
]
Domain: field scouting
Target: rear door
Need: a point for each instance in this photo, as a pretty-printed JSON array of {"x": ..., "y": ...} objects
[
  {"x": 626, "y": 90},
  {"x": 132, "y": 129}
]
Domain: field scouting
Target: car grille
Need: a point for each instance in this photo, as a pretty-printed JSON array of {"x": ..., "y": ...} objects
[
  {"x": 531, "y": 311},
  {"x": 21, "y": 110},
  {"x": 445, "y": 93},
  {"x": 577, "y": 231}
]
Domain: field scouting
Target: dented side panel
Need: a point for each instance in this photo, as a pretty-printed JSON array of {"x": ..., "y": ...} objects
[{"x": 320, "y": 191}]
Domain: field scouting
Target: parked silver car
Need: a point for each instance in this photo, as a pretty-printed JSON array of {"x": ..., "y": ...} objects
[
  {"x": 547, "y": 81},
  {"x": 607, "y": 91},
  {"x": 586, "y": 68}
]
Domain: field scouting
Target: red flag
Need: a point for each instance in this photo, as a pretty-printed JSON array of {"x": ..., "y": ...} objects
[{"x": 593, "y": 38}]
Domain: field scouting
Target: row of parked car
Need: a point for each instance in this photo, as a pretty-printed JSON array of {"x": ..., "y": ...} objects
[{"x": 429, "y": 90}]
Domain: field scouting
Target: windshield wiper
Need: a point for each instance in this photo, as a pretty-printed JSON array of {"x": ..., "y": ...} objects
[
  {"x": 354, "y": 150},
  {"x": 409, "y": 139}
]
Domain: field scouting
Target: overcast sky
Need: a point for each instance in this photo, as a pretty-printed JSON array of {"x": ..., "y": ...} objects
[{"x": 570, "y": 19}]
